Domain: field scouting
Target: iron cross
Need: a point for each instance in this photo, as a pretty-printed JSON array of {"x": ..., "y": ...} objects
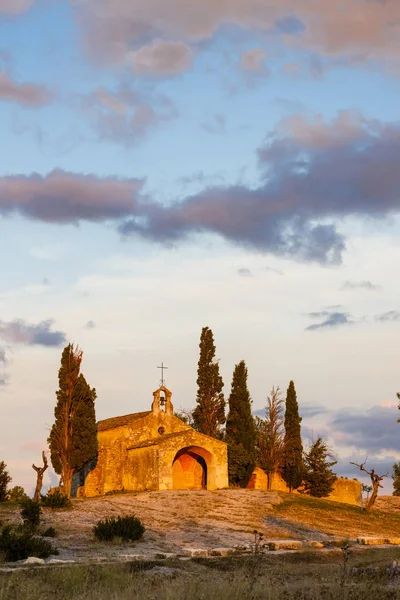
[{"x": 162, "y": 373}]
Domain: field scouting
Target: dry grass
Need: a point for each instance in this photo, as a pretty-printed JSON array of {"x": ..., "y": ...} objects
[
  {"x": 303, "y": 576},
  {"x": 304, "y": 516}
]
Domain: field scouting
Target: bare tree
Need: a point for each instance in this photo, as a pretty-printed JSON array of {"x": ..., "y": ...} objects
[
  {"x": 270, "y": 435},
  {"x": 376, "y": 483},
  {"x": 185, "y": 415},
  {"x": 40, "y": 472}
]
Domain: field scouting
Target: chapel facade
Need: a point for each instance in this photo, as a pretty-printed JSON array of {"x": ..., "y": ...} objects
[{"x": 153, "y": 450}]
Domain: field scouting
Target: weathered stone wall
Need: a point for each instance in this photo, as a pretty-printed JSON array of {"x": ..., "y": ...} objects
[
  {"x": 258, "y": 480},
  {"x": 142, "y": 470},
  {"x": 347, "y": 491}
]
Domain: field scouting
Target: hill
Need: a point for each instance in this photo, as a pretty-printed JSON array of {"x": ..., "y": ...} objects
[{"x": 176, "y": 520}]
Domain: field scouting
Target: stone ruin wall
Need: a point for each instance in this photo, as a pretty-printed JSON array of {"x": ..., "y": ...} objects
[{"x": 347, "y": 491}]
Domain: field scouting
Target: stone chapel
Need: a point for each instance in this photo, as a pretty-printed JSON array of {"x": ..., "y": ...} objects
[{"x": 153, "y": 450}]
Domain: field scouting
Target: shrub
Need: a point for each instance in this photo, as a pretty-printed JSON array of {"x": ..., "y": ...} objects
[
  {"x": 55, "y": 499},
  {"x": 127, "y": 528},
  {"x": 17, "y": 494},
  {"x": 49, "y": 532},
  {"x": 19, "y": 546},
  {"x": 4, "y": 481},
  {"x": 30, "y": 514}
]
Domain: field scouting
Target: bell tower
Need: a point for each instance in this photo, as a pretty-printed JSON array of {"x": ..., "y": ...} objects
[{"x": 162, "y": 401}]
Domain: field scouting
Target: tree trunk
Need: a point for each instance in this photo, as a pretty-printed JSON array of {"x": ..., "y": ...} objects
[
  {"x": 269, "y": 481},
  {"x": 39, "y": 473},
  {"x": 374, "y": 495},
  {"x": 67, "y": 481}
]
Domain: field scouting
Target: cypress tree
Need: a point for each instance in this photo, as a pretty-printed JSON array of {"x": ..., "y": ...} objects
[
  {"x": 240, "y": 430},
  {"x": 209, "y": 414},
  {"x": 73, "y": 437},
  {"x": 293, "y": 460},
  {"x": 396, "y": 479},
  {"x": 318, "y": 476}
]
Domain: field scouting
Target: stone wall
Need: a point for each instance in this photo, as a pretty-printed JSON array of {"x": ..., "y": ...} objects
[{"x": 347, "y": 491}]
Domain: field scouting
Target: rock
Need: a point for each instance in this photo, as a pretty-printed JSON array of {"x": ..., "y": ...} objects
[
  {"x": 132, "y": 556},
  {"x": 164, "y": 555},
  {"x": 33, "y": 560},
  {"x": 285, "y": 545},
  {"x": 195, "y": 552},
  {"x": 58, "y": 561},
  {"x": 221, "y": 552},
  {"x": 313, "y": 544},
  {"x": 372, "y": 541},
  {"x": 242, "y": 549}
]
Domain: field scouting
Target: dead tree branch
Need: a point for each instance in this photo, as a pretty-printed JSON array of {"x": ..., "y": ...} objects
[
  {"x": 375, "y": 480},
  {"x": 40, "y": 472}
]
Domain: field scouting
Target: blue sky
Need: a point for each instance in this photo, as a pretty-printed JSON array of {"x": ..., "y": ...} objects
[{"x": 171, "y": 165}]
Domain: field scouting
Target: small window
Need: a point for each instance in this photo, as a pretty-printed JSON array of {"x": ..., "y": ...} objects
[{"x": 161, "y": 430}]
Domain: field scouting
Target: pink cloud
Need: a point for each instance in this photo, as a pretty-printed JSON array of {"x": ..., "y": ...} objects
[
  {"x": 363, "y": 30},
  {"x": 15, "y": 6},
  {"x": 161, "y": 58},
  {"x": 63, "y": 197},
  {"x": 23, "y": 93},
  {"x": 125, "y": 115}
]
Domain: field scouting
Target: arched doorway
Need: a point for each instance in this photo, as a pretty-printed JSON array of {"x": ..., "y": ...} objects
[{"x": 190, "y": 469}]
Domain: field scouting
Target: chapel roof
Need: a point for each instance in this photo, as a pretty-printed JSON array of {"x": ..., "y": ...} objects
[{"x": 121, "y": 421}]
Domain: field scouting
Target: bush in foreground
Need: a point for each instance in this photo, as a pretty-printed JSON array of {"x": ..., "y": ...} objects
[
  {"x": 128, "y": 528},
  {"x": 4, "y": 481},
  {"x": 30, "y": 514},
  {"x": 49, "y": 532},
  {"x": 55, "y": 499},
  {"x": 17, "y": 546}
]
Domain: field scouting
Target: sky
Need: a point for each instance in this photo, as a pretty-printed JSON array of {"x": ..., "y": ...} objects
[{"x": 173, "y": 164}]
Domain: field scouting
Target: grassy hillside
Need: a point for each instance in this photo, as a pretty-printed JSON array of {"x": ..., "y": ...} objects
[{"x": 303, "y": 517}]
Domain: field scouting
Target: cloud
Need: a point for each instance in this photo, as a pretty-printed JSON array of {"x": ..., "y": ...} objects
[
  {"x": 390, "y": 316},
  {"x": 312, "y": 174},
  {"x": 371, "y": 431},
  {"x": 244, "y": 272},
  {"x": 27, "y": 94},
  {"x": 3, "y": 359},
  {"x": 359, "y": 30},
  {"x": 161, "y": 58},
  {"x": 290, "y": 25},
  {"x": 15, "y": 7},
  {"x": 19, "y": 332},
  {"x": 363, "y": 285},
  {"x": 252, "y": 61},
  {"x": 273, "y": 270},
  {"x": 333, "y": 319},
  {"x": 64, "y": 197},
  {"x": 125, "y": 115},
  {"x": 308, "y": 411},
  {"x": 3, "y": 363}
]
